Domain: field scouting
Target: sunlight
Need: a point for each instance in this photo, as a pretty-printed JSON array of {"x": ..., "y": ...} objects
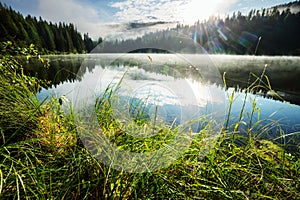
[{"x": 199, "y": 10}]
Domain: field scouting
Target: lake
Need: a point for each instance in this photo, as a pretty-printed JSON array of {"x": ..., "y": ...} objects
[{"x": 178, "y": 88}]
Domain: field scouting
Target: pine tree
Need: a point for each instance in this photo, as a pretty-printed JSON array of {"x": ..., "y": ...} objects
[
  {"x": 45, "y": 35},
  {"x": 8, "y": 25}
]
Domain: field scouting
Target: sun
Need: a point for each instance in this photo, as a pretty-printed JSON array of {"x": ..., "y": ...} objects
[{"x": 196, "y": 10}]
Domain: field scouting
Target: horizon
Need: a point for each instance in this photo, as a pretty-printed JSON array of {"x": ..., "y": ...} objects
[{"x": 111, "y": 19}]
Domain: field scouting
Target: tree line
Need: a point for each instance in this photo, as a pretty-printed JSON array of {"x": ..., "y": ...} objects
[
  {"x": 261, "y": 32},
  {"x": 46, "y": 36},
  {"x": 271, "y": 31}
]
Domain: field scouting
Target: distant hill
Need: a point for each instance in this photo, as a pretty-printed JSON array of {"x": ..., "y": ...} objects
[
  {"x": 269, "y": 31},
  {"x": 294, "y": 7}
]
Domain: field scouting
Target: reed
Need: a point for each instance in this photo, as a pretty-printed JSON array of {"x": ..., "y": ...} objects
[{"x": 51, "y": 162}]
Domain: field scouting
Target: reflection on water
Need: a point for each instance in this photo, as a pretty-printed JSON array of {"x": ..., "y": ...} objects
[
  {"x": 280, "y": 74},
  {"x": 186, "y": 85},
  {"x": 152, "y": 88}
]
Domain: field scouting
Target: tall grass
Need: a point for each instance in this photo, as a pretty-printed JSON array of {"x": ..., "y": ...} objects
[
  {"x": 19, "y": 107},
  {"x": 42, "y": 157}
]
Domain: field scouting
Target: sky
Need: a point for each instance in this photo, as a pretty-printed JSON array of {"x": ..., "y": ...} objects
[{"x": 110, "y": 19}]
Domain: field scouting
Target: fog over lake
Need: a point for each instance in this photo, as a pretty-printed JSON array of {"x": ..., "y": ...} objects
[{"x": 185, "y": 86}]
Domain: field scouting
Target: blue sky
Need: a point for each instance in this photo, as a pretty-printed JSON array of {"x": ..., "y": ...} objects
[{"x": 109, "y": 18}]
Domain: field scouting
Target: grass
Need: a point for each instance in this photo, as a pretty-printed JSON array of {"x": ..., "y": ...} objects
[{"x": 42, "y": 156}]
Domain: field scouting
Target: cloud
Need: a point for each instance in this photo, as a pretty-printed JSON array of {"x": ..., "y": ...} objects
[
  {"x": 111, "y": 19},
  {"x": 67, "y": 10},
  {"x": 132, "y": 30},
  {"x": 100, "y": 23},
  {"x": 169, "y": 10},
  {"x": 131, "y": 10},
  {"x": 147, "y": 15},
  {"x": 85, "y": 17},
  {"x": 224, "y": 5}
]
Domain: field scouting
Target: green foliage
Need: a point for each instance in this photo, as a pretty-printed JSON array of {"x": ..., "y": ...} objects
[
  {"x": 19, "y": 107},
  {"x": 42, "y": 157},
  {"x": 88, "y": 43},
  {"x": 236, "y": 34},
  {"x": 46, "y": 36},
  {"x": 45, "y": 169},
  {"x": 52, "y": 163}
]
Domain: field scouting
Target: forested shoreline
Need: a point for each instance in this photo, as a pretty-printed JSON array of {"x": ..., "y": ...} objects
[
  {"x": 46, "y": 36},
  {"x": 53, "y": 148},
  {"x": 269, "y": 31},
  {"x": 273, "y": 31},
  {"x": 44, "y": 154}
]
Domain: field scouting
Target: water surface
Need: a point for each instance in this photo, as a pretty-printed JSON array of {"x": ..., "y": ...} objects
[{"x": 182, "y": 87}]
